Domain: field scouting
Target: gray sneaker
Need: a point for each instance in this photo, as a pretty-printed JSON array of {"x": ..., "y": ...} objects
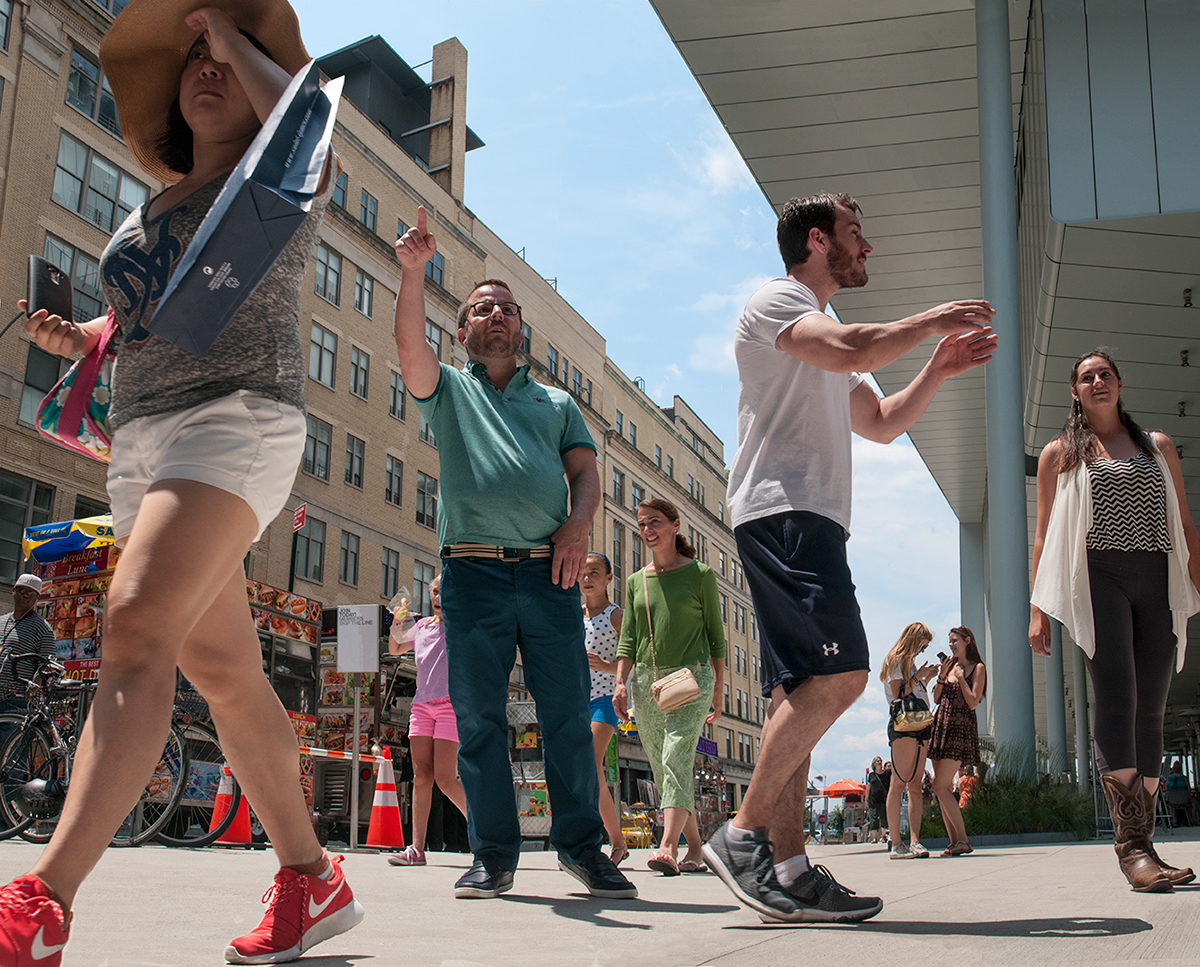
[
  {"x": 819, "y": 898},
  {"x": 902, "y": 852},
  {"x": 747, "y": 867},
  {"x": 919, "y": 851}
]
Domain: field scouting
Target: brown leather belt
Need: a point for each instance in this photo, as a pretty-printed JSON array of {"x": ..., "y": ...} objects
[{"x": 496, "y": 552}]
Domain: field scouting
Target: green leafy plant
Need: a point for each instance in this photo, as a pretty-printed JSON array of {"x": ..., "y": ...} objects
[{"x": 1017, "y": 800}]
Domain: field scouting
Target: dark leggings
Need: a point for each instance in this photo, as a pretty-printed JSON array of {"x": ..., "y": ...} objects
[{"x": 1135, "y": 653}]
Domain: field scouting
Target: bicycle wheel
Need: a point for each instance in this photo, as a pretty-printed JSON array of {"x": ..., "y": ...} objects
[
  {"x": 160, "y": 798},
  {"x": 190, "y": 824},
  {"x": 24, "y": 756}
]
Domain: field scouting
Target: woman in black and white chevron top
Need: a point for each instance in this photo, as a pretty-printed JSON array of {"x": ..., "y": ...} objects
[{"x": 1115, "y": 559}]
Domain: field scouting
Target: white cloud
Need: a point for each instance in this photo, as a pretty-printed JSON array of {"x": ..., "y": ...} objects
[
  {"x": 723, "y": 169},
  {"x": 713, "y": 354}
]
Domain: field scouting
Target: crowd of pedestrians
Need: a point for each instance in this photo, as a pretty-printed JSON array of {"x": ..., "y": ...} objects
[{"x": 204, "y": 454}]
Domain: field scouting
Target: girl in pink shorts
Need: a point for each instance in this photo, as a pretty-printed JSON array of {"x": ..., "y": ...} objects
[{"x": 432, "y": 731}]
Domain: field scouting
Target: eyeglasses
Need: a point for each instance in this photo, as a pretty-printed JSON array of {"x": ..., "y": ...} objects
[{"x": 485, "y": 309}]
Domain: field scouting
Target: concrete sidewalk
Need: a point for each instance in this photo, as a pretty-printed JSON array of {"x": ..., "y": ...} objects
[{"x": 1046, "y": 904}]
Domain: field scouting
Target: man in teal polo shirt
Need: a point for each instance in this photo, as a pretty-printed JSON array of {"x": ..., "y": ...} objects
[{"x": 513, "y": 549}]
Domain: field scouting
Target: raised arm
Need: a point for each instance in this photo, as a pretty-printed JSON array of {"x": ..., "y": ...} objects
[
  {"x": 884, "y": 420},
  {"x": 261, "y": 78},
  {"x": 825, "y": 342},
  {"x": 418, "y": 362},
  {"x": 1047, "y": 483}
]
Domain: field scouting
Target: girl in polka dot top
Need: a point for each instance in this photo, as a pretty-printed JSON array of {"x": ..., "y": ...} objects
[{"x": 602, "y": 624}]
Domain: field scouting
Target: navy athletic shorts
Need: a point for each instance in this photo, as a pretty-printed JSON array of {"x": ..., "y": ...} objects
[{"x": 808, "y": 618}]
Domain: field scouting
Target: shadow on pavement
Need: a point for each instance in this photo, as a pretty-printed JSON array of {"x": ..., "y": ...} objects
[
  {"x": 1066, "y": 927},
  {"x": 588, "y": 909}
]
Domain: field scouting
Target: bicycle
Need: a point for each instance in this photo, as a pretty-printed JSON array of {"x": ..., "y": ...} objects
[{"x": 43, "y": 748}]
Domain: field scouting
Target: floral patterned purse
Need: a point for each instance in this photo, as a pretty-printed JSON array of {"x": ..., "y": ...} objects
[{"x": 75, "y": 413}]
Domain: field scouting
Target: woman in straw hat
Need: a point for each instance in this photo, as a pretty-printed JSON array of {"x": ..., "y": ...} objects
[{"x": 204, "y": 452}]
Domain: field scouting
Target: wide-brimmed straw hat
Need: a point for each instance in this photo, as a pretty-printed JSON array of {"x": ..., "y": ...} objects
[{"x": 143, "y": 55}]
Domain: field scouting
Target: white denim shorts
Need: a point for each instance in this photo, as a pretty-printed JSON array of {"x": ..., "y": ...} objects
[{"x": 243, "y": 443}]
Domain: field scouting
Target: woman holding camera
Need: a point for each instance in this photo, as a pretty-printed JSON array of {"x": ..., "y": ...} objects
[
  {"x": 672, "y": 621},
  {"x": 954, "y": 743},
  {"x": 901, "y": 677},
  {"x": 1115, "y": 560}
]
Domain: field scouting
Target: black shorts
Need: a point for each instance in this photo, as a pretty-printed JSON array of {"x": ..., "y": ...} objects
[{"x": 808, "y": 618}]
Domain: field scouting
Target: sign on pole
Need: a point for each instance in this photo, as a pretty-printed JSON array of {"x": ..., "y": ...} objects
[
  {"x": 298, "y": 517},
  {"x": 358, "y": 638}
]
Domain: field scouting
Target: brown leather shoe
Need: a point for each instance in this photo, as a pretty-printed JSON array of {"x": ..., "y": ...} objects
[
  {"x": 1176, "y": 875},
  {"x": 1132, "y": 820}
]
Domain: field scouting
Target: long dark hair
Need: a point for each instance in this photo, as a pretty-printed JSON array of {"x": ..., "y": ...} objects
[
  {"x": 667, "y": 509},
  {"x": 972, "y": 649},
  {"x": 1077, "y": 441}
]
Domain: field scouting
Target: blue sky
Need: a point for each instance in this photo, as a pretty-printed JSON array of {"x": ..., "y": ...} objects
[{"x": 604, "y": 161}]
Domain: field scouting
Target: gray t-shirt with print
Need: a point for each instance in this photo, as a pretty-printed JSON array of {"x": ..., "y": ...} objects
[{"x": 259, "y": 350}]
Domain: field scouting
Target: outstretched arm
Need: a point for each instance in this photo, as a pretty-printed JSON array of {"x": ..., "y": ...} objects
[
  {"x": 825, "y": 342},
  {"x": 418, "y": 361},
  {"x": 884, "y": 420}
]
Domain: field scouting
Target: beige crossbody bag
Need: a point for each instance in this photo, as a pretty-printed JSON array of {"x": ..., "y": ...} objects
[{"x": 673, "y": 690}]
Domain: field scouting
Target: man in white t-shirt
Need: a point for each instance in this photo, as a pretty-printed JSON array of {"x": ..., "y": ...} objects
[{"x": 789, "y": 499}]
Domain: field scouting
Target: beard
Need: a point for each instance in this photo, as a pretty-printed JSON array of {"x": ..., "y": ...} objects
[
  {"x": 492, "y": 345},
  {"x": 843, "y": 268}
]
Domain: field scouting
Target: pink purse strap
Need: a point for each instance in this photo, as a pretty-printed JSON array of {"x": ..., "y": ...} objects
[{"x": 85, "y": 379}]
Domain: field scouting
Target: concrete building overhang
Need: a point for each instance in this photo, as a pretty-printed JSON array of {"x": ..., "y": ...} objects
[{"x": 878, "y": 98}]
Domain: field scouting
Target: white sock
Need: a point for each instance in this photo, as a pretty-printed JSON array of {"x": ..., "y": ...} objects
[
  {"x": 791, "y": 869},
  {"x": 737, "y": 833}
]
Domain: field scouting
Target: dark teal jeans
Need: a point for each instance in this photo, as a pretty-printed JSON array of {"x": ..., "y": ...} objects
[{"x": 492, "y": 608}]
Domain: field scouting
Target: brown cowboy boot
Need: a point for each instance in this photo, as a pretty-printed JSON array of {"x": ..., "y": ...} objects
[
  {"x": 1130, "y": 815},
  {"x": 1176, "y": 875}
]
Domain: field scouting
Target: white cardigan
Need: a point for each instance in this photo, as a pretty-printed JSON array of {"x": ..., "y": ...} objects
[{"x": 1061, "y": 588}]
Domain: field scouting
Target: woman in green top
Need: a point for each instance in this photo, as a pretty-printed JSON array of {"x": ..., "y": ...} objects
[{"x": 686, "y": 611}]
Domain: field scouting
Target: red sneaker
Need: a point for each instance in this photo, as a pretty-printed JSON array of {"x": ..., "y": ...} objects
[
  {"x": 33, "y": 931},
  {"x": 302, "y": 910}
]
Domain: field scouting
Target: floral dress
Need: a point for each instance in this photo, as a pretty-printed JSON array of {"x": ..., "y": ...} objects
[{"x": 955, "y": 729}]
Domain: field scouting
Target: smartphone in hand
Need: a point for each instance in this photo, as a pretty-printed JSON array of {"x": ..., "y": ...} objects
[{"x": 49, "y": 289}]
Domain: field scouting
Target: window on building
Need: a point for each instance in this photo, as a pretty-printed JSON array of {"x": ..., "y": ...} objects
[
  {"x": 87, "y": 298},
  {"x": 397, "y": 397},
  {"x": 618, "y": 487},
  {"x": 721, "y": 511},
  {"x": 310, "y": 550},
  {"x": 740, "y": 707},
  {"x": 87, "y": 89},
  {"x": 368, "y": 208},
  {"x": 93, "y": 186},
  {"x": 620, "y": 423},
  {"x": 6, "y": 21},
  {"x": 112, "y": 6},
  {"x": 691, "y": 485},
  {"x": 423, "y": 575},
  {"x": 426, "y": 431},
  {"x": 693, "y": 539},
  {"x": 394, "y": 481},
  {"x": 339, "y": 190},
  {"x": 322, "y": 355},
  {"x": 754, "y": 627},
  {"x": 695, "y": 443},
  {"x": 389, "y": 578},
  {"x": 435, "y": 268},
  {"x": 632, "y": 434},
  {"x": 318, "y": 443},
  {"x": 702, "y": 495},
  {"x": 637, "y": 494},
  {"x": 348, "y": 562},
  {"x": 364, "y": 292},
  {"x": 355, "y": 449},
  {"x": 638, "y": 551},
  {"x": 42, "y": 371},
  {"x": 86, "y": 507},
  {"x": 671, "y": 467},
  {"x": 618, "y": 561},
  {"x": 427, "y": 500},
  {"x": 587, "y": 393},
  {"x": 552, "y": 360},
  {"x": 727, "y": 700},
  {"x": 328, "y": 280},
  {"x": 433, "y": 334},
  {"x": 724, "y": 609},
  {"x": 577, "y": 382},
  {"x": 526, "y": 337},
  {"x": 360, "y": 371},
  {"x": 721, "y": 562},
  {"x": 23, "y": 503},
  {"x": 401, "y": 227}
]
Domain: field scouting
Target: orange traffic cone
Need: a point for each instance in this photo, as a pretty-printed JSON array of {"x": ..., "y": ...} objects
[
  {"x": 238, "y": 833},
  {"x": 385, "y": 828}
]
